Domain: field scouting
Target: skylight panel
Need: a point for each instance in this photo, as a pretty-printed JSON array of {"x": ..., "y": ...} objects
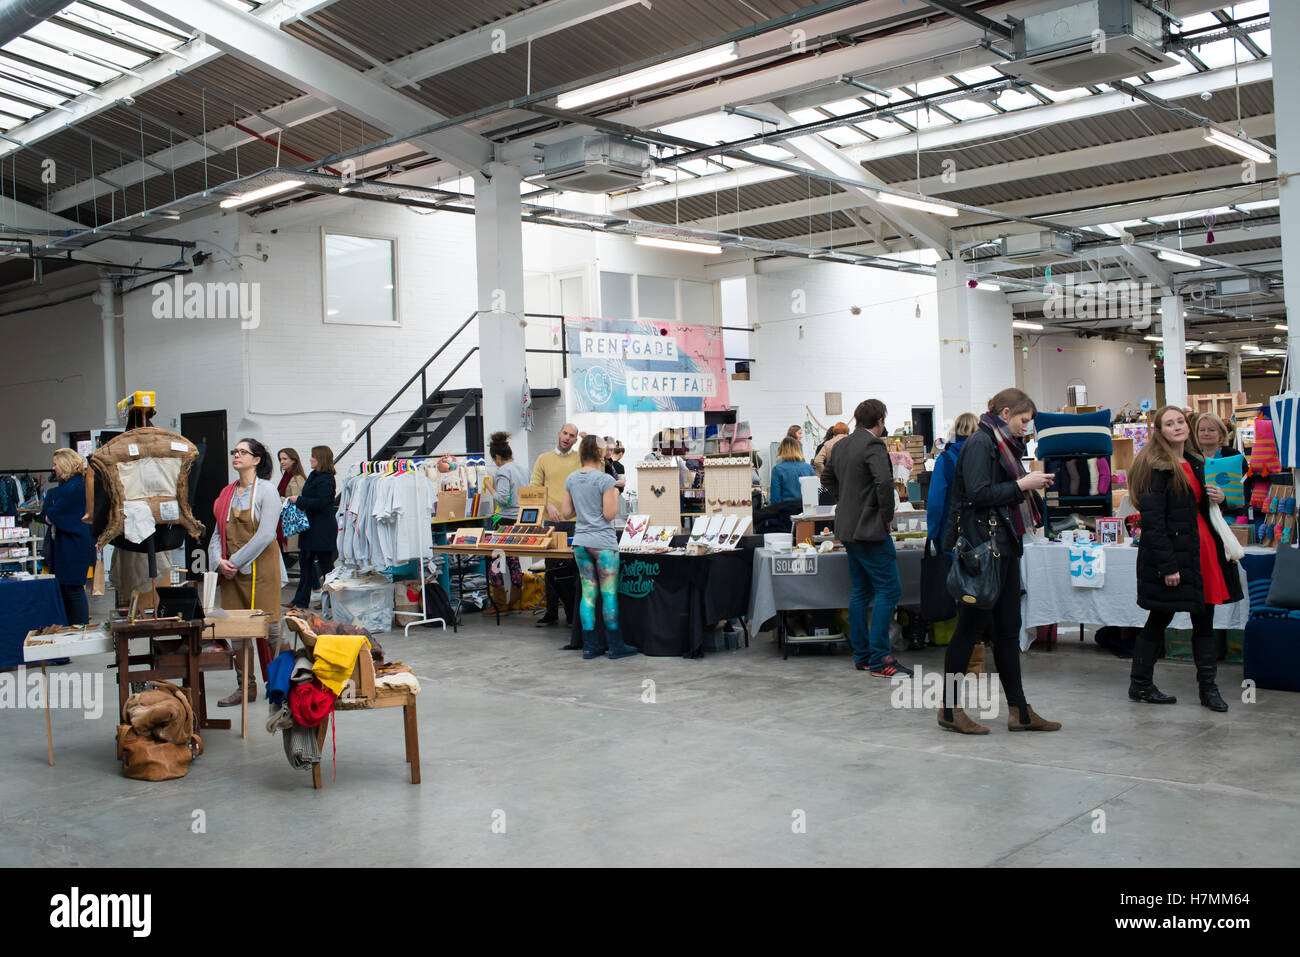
[
  {"x": 77, "y": 66},
  {"x": 71, "y": 40},
  {"x": 1220, "y": 53},
  {"x": 842, "y": 107},
  {"x": 1016, "y": 99},
  {"x": 938, "y": 84},
  {"x": 967, "y": 110},
  {"x": 806, "y": 116},
  {"x": 14, "y": 108},
  {"x": 1061, "y": 96},
  {"x": 843, "y": 136},
  {"x": 978, "y": 75},
  {"x": 881, "y": 128},
  {"x": 126, "y": 10}
]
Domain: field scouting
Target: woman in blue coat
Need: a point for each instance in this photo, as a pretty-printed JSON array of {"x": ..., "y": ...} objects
[
  {"x": 317, "y": 544},
  {"x": 72, "y": 550},
  {"x": 945, "y": 466}
]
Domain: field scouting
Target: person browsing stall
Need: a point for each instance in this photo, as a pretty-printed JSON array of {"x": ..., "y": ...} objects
[
  {"x": 861, "y": 478},
  {"x": 1181, "y": 564},
  {"x": 790, "y": 467},
  {"x": 591, "y": 498},
  {"x": 318, "y": 543},
  {"x": 243, "y": 549},
  {"x": 994, "y": 498},
  {"x": 73, "y": 551},
  {"x": 511, "y": 476},
  {"x": 551, "y": 470},
  {"x": 292, "y": 479}
]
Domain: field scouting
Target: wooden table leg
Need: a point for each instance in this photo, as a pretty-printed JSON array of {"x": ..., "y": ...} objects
[
  {"x": 243, "y": 709},
  {"x": 412, "y": 734},
  {"x": 49, "y": 736},
  {"x": 122, "y": 645}
]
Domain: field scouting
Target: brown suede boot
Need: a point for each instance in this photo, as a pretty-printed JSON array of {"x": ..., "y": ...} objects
[
  {"x": 1036, "y": 721},
  {"x": 962, "y": 723},
  {"x": 236, "y": 698},
  {"x": 976, "y": 664}
]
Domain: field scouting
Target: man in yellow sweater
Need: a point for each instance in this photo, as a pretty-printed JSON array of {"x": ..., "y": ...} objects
[{"x": 551, "y": 470}]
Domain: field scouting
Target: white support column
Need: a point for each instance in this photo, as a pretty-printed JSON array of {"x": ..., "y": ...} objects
[
  {"x": 109, "y": 318},
  {"x": 954, "y": 345},
  {"x": 1286, "y": 23},
  {"x": 1175, "y": 345},
  {"x": 499, "y": 243},
  {"x": 1234, "y": 370}
]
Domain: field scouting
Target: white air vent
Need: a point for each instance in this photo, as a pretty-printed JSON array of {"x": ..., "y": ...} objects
[
  {"x": 594, "y": 164},
  {"x": 1090, "y": 42},
  {"x": 1241, "y": 286},
  {"x": 1044, "y": 246}
]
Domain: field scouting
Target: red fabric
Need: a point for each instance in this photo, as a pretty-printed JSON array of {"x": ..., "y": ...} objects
[
  {"x": 1215, "y": 588},
  {"x": 219, "y": 511},
  {"x": 310, "y": 703},
  {"x": 263, "y": 656}
]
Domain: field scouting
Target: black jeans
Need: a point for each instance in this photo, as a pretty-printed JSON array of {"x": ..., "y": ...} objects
[
  {"x": 1151, "y": 639},
  {"x": 307, "y": 579},
  {"x": 1002, "y": 624},
  {"x": 561, "y": 579},
  {"x": 75, "y": 604}
]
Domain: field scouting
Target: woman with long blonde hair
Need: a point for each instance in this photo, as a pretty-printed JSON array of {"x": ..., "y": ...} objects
[{"x": 1181, "y": 565}]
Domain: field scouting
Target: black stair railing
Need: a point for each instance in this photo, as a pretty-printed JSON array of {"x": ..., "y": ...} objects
[{"x": 462, "y": 407}]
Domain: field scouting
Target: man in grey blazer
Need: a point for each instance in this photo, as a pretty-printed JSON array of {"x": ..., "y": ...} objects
[{"x": 859, "y": 473}]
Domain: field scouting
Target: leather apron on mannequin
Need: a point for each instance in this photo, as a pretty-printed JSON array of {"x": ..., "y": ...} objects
[{"x": 237, "y": 592}]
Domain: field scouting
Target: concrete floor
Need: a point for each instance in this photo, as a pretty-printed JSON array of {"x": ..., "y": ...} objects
[{"x": 581, "y": 771}]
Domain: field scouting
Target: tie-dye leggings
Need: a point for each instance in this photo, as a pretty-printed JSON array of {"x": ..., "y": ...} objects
[{"x": 598, "y": 568}]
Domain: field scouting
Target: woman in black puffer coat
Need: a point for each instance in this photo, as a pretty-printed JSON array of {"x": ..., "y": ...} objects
[{"x": 1181, "y": 563}]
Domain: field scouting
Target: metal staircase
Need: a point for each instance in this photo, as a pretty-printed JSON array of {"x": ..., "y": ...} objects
[{"x": 439, "y": 410}]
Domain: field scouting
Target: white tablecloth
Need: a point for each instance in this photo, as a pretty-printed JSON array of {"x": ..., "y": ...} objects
[{"x": 1050, "y": 598}]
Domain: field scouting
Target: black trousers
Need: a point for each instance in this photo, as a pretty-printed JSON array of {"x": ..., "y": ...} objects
[
  {"x": 307, "y": 577},
  {"x": 1151, "y": 639},
  {"x": 1001, "y": 623},
  {"x": 561, "y": 580}
]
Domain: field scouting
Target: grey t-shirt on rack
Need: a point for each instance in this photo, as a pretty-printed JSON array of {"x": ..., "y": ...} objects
[{"x": 592, "y": 529}]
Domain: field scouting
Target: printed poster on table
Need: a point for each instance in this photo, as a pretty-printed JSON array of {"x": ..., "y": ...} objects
[{"x": 646, "y": 366}]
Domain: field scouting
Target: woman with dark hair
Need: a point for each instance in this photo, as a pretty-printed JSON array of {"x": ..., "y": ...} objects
[
  {"x": 243, "y": 549},
  {"x": 292, "y": 478},
  {"x": 1181, "y": 565},
  {"x": 994, "y": 499},
  {"x": 613, "y": 461},
  {"x": 590, "y": 496},
  {"x": 317, "y": 544},
  {"x": 73, "y": 552},
  {"x": 511, "y": 476}
]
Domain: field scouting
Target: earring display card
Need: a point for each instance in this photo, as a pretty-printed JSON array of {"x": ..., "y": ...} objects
[
  {"x": 714, "y": 529},
  {"x": 634, "y": 532}
]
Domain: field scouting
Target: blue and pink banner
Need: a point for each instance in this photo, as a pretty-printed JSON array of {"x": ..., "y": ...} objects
[{"x": 646, "y": 366}]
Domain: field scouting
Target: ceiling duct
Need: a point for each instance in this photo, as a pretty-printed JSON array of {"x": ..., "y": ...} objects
[
  {"x": 1240, "y": 286},
  {"x": 595, "y": 164},
  {"x": 19, "y": 16},
  {"x": 1043, "y": 246},
  {"x": 1091, "y": 42}
]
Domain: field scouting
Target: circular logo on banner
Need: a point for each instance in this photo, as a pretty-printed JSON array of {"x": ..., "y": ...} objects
[
  {"x": 599, "y": 386},
  {"x": 1145, "y": 405}
]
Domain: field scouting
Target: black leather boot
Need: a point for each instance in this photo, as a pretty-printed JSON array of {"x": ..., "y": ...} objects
[
  {"x": 1141, "y": 687},
  {"x": 1205, "y": 652}
]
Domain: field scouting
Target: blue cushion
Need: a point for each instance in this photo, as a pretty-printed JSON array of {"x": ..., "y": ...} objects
[
  {"x": 1061, "y": 433},
  {"x": 1225, "y": 472},
  {"x": 1271, "y": 655}
]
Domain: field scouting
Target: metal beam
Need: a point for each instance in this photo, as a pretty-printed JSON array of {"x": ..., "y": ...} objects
[
  {"x": 273, "y": 51},
  {"x": 958, "y": 10}
]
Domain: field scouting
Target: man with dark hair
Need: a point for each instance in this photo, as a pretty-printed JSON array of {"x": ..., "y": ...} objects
[{"x": 859, "y": 474}]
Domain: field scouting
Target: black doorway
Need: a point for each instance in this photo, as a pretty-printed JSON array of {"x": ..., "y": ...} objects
[
  {"x": 207, "y": 430},
  {"x": 923, "y": 424}
]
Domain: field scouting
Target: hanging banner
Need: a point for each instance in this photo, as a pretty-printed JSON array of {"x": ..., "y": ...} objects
[{"x": 646, "y": 366}]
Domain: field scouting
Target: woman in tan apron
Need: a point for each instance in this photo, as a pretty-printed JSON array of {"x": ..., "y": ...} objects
[{"x": 244, "y": 549}]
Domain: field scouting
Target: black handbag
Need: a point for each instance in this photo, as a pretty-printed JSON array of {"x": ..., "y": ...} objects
[
  {"x": 975, "y": 579},
  {"x": 937, "y": 603}
]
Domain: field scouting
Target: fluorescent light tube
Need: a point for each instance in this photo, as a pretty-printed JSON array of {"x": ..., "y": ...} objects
[
  {"x": 1153, "y": 339},
  {"x": 650, "y": 76},
  {"x": 1018, "y": 324},
  {"x": 1250, "y": 348},
  {"x": 1272, "y": 372},
  {"x": 990, "y": 287},
  {"x": 1237, "y": 145},
  {"x": 1282, "y": 328},
  {"x": 263, "y": 193},
  {"x": 1193, "y": 377},
  {"x": 1173, "y": 256},
  {"x": 924, "y": 205},
  {"x": 679, "y": 245}
]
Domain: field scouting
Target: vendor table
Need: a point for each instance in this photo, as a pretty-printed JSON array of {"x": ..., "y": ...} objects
[
  {"x": 1050, "y": 598},
  {"x": 829, "y": 588},
  {"x": 188, "y": 664},
  {"x": 666, "y": 603},
  {"x": 27, "y": 606},
  {"x": 486, "y": 554}
]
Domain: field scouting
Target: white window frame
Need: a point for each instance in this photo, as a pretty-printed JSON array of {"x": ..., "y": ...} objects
[
  {"x": 396, "y": 322},
  {"x": 677, "y": 293}
]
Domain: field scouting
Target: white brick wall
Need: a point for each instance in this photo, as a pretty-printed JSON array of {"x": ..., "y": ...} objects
[{"x": 1112, "y": 375}]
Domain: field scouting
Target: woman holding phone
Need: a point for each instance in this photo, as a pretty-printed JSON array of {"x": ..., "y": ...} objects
[
  {"x": 994, "y": 498},
  {"x": 1181, "y": 565}
]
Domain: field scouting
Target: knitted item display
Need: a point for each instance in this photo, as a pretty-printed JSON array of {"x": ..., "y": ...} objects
[
  {"x": 310, "y": 704},
  {"x": 1264, "y": 459}
]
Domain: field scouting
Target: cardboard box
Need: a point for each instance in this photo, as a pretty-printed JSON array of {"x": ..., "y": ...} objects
[{"x": 238, "y": 623}]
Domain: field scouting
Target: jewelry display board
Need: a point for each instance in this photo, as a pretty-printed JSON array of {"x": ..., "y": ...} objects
[
  {"x": 658, "y": 492},
  {"x": 728, "y": 486}
]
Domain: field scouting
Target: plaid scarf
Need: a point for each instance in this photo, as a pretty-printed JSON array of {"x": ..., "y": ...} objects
[{"x": 1025, "y": 516}]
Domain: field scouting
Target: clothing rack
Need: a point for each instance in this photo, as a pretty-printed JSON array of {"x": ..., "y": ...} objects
[{"x": 384, "y": 466}]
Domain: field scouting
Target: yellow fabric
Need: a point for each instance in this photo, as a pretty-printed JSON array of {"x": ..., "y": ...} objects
[
  {"x": 551, "y": 470},
  {"x": 336, "y": 659}
]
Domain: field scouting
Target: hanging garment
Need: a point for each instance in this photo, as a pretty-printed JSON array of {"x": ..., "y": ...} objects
[
  {"x": 1087, "y": 566},
  {"x": 1286, "y": 426},
  {"x": 150, "y": 466}
]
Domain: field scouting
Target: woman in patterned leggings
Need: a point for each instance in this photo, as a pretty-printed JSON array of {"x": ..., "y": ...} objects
[{"x": 591, "y": 498}]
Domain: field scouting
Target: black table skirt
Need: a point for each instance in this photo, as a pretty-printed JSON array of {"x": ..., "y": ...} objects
[{"x": 668, "y": 602}]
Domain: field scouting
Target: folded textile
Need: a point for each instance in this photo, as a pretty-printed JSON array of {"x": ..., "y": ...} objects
[
  {"x": 310, "y": 704},
  {"x": 301, "y": 669},
  {"x": 277, "y": 678},
  {"x": 392, "y": 668},
  {"x": 336, "y": 658},
  {"x": 300, "y": 747},
  {"x": 280, "y": 719},
  {"x": 403, "y": 681}
]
